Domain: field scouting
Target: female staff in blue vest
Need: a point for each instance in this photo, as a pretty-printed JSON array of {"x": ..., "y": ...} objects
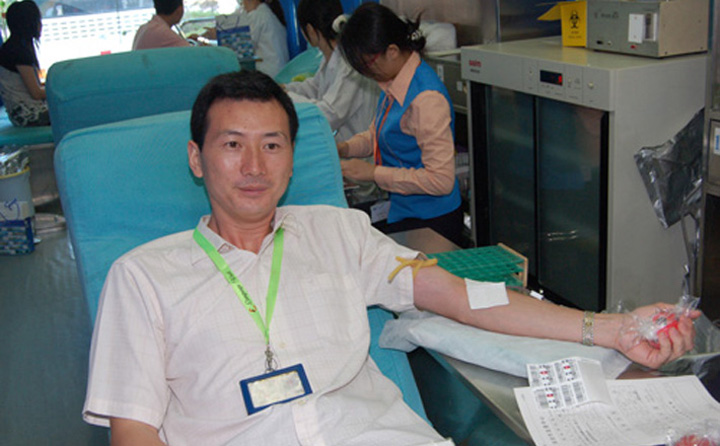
[{"x": 411, "y": 137}]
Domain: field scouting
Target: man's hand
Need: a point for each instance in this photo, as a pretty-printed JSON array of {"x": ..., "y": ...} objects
[
  {"x": 671, "y": 344},
  {"x": 357, "y": 170},
  {"x": 210, "y": 33}
]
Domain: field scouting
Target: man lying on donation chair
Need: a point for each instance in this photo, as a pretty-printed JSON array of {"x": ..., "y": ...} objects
[{"x": 252, "y": 328}]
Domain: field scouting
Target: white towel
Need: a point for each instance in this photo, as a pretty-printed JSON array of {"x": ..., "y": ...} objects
[{"x": 491, "y": 350}]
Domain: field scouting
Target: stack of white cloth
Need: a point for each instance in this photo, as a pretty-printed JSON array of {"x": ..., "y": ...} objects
[{"x": 495, "y": 351}]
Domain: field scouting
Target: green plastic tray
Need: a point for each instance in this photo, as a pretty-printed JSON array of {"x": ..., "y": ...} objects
[{"x": 485, "y": 264}]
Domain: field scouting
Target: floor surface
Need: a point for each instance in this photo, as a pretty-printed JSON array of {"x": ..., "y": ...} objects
[{"x": 44, "y": 344}]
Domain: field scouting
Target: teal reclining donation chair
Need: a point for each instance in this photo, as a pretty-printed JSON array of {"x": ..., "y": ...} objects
[
  {"x": 126, "y": 183},
  {"x": 114, "y": 87}
]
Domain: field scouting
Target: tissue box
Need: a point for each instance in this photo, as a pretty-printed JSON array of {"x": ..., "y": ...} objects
[
  {"x": 16, "y": 231},
  {"x": 573, "y": 16}
]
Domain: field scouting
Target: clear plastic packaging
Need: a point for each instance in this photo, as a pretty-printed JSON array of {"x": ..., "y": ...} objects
[
  {"x": 706, "y": 433},
  {"x": 663, "y": 320},
  {"x": 671, "y": 170},
  {"x": 13, "y": 160}
]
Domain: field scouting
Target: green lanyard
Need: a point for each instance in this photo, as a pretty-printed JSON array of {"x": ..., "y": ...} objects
[{"x": 242, "y": 293}]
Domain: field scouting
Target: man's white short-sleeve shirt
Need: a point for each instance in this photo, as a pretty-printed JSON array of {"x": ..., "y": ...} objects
[{"x": 172, "y": 341}]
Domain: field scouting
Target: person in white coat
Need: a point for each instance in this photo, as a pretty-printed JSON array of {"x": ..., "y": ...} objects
[
  {"x": 268, "y": 34},
  {"x": 346, "y": 98}
]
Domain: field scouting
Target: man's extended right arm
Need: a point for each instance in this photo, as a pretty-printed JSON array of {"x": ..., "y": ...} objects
[
  {"x": 439, "y": 291},
  {"x": 126, "y": 432}
]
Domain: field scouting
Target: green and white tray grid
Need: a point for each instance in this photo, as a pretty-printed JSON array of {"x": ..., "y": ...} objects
[{"x": 486, "y": 264}]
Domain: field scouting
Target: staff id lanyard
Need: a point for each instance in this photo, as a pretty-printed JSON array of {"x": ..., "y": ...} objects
[
  {"x": 242, "y": 293},
  {"x": 379, "y": 125},
  {"x": 274, "y": 386}
]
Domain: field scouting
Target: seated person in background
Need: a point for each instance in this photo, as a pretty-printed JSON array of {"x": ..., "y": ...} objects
[
  {"x": 182, "y": 353},
  {"x": 346, "y": 98},
  {"x": 20, "y": 86},
  {"x": 269, "y": 37},
  {"x": 158, "y": 33},
  {"x": 267, "y": 32}
]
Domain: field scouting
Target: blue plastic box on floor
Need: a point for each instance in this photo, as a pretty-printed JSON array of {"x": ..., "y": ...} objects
[
  {"x": 16, "y": 231},
  {"x": 16, "y": 206}
]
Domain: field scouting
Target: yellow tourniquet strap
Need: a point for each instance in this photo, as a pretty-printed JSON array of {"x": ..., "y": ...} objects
[{"x": 415, "y": 264}]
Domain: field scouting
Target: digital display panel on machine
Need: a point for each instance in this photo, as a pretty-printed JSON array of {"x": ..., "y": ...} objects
[{"x": 551, "y": 77}]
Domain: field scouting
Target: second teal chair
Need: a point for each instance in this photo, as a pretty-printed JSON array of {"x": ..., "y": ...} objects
[
  {"x": 126, "y": 183},
  {"x": 110, "y": 88}
]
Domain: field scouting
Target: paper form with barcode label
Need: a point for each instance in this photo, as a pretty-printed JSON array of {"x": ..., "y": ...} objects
[{"x": 641, "y": 413}]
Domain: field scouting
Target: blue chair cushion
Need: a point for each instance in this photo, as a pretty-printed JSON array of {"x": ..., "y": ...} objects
[
  {"x": 22, "y": 136},
  {"x": 306, "y": 63},
  {"x": 126, "y": 183},
  {"x": 115, "y": 87},
  {"x": 393, "y": 363}
]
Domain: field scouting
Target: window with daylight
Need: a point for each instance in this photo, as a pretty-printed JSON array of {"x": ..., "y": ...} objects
[{"x": 82, "y": 28}]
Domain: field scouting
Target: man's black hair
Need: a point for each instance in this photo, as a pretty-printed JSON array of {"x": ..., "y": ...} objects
[
  {"x": 241, "y": 86},
  {"x": 166, "y": 7}
]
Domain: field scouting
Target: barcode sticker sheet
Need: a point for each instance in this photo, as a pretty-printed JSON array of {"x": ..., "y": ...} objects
[{"x": 568, "y": 383}]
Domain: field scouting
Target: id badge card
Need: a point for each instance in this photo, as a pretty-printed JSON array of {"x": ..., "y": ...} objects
[{"x": 275, "y": 387}]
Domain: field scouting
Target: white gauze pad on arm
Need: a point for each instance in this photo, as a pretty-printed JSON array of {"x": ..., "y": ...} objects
[{"x": 485, "y": 294}]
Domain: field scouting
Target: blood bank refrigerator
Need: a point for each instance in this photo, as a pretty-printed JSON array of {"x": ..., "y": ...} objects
[{"x": 553, "y": 133}]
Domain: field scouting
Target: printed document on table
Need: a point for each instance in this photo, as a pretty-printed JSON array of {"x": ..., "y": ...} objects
[{"x": 641, "y": 413}]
